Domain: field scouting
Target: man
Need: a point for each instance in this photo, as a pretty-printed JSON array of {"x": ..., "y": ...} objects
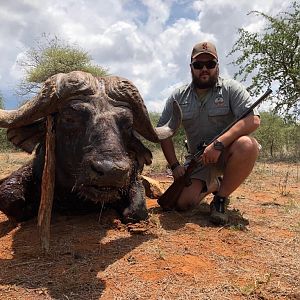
[{"x": 209, "y": 104}]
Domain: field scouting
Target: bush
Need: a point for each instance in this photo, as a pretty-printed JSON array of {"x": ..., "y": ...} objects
[
  {"x": 178, "y": 139},
  {"x": 5, "y": 145},
  {"x": 280, "y": 139}
]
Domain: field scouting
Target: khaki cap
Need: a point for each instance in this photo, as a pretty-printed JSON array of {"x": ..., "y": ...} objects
[{"x": 204, "y": 47}]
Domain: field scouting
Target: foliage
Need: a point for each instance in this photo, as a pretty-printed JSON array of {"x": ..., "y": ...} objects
[
  {"x": 50, "y": 56},
  {"x": 280, "y": 138},
  {"x": 273, "y": 57},
  {"x": 4, "y": 143},
  {"x": 154, "y": 117}
]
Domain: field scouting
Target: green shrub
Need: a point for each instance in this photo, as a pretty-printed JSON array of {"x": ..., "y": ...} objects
[{"x": 5, "y": 145}]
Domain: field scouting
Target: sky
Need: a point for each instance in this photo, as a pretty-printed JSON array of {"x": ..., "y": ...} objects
[{"x": 148, "y": 42}]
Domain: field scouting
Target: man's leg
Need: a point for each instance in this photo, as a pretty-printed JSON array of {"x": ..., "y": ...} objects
[
  {"x": 190, "y": 196},
  {"x": 240, "y": 158}
]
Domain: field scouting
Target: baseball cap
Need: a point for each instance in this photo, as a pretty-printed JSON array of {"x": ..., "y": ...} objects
[{"x": 204, "y": 47}]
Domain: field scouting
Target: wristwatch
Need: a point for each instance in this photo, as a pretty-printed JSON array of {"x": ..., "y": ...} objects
[
  {"x": 218, "y": 145},
  {"x": 174, "y": 166}
]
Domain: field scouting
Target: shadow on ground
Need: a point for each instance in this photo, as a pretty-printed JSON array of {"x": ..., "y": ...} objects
[
  {"x": 80, "y": 249},
  {"x": 174, "y": 220}
]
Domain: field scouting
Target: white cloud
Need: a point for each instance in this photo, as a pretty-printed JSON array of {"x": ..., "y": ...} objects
[
  {"x": 147, "y": 41},
  {"x": 158, "y": 14},
  {"x": 255, "y": 27},
  {"x": 15, "y": 71},
  {"x": 155, "y": 105}
]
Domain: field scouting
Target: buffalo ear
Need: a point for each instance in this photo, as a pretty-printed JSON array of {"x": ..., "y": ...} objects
[{"x": 27, "y": 137}]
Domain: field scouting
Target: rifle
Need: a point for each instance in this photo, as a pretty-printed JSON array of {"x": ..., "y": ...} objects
[{"x": 168, "y": 200}]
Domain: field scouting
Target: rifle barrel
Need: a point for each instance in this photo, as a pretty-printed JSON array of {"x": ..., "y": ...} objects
[{"x": 243, "y": 115}]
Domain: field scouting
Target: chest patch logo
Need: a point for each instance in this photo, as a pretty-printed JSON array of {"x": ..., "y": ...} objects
[{"x": 219, "y": 101}]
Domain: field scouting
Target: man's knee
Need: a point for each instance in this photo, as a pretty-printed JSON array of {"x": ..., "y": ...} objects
[
  {"x": 245, "y": 145},
  {"x": 186, "y": 201}
]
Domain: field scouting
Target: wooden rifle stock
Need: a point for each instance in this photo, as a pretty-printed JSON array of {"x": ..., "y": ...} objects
[{"x": 168, "y": 200}]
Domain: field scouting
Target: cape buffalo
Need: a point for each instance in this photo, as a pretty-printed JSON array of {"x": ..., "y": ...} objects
[{"x": 98, "y": 153}]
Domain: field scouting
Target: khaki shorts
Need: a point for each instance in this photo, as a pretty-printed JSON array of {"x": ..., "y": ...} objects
[{"x": 208, "y": 174}]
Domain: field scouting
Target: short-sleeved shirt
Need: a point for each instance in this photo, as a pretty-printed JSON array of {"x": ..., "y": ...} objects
[{"x": 204, "y": 119}]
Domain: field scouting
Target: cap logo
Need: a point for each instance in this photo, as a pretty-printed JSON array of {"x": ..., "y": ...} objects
[{"x": 204, "y": 46}]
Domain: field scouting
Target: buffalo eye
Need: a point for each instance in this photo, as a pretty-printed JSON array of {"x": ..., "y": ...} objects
[
  {"x": 71, "y": 118},
  {"x": 74, "y": 115},
  {"x": 125, "y": 125},
  {"x": 124, "y": 120}
]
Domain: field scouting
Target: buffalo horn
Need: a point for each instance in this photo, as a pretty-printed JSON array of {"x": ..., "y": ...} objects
[
  {"x": 120, "y": 89},
  {"x": 55, "y": 90}
]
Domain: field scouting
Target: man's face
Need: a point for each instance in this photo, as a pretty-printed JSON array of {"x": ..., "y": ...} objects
[{"x": 204, "y": 76}]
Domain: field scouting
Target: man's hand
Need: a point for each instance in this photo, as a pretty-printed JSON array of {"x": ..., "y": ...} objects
[
  {"x": 178, "y": 172},
  {"x": 210, "y": 155}
]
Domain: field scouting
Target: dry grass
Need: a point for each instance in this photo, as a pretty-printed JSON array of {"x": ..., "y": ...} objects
[
  {"x": 171, "y": 256},
  {"x": 10, "y": 161},
  {"x": 159, "y": 163}
]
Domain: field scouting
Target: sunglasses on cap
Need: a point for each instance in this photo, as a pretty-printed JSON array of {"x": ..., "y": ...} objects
[{"x": 198, "y": 65}]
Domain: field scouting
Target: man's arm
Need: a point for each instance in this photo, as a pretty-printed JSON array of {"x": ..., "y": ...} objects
[
  {"x": 170, "y": 155},
  {"x": 243, "y": 127}
]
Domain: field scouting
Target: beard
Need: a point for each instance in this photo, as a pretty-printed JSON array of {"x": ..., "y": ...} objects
[{"x": 205, "y": 84}]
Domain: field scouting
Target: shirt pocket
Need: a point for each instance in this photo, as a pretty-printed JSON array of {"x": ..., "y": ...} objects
[
  {"x": 218, "y": 111},
  {"x": 187, "y": 117},
  {"x": 219, "y": 117}
]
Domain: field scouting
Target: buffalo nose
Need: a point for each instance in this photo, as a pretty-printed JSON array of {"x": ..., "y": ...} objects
[{"x": 109, "y": 168}]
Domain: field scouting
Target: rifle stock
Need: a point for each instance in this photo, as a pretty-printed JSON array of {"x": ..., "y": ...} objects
[{"x": 168, "y": 200}]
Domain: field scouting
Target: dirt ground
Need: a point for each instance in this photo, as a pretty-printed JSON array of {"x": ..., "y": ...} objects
[{"x": 171, "y": 256}]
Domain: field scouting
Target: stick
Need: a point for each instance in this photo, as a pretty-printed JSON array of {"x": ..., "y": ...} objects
[{"x": 48, "y": 180}]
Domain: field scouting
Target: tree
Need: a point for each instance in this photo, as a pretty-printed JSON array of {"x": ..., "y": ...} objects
[
  {"x": 50, "y": 56},
  {"x": 270, "y": 134},
  {"x": 273, "y": 57},
  {"x": 279, "y": 137},
  {"x": 4, "y": 143}
]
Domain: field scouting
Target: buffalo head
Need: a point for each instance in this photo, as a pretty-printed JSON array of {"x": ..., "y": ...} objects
[{"x": 98, "y": 122}]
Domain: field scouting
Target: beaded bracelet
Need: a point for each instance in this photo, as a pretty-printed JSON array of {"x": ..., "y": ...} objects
[{"x": 175, "y": 165}]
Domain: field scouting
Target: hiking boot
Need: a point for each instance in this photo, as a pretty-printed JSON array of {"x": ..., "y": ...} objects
[{"x": 218, "y": 210}]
